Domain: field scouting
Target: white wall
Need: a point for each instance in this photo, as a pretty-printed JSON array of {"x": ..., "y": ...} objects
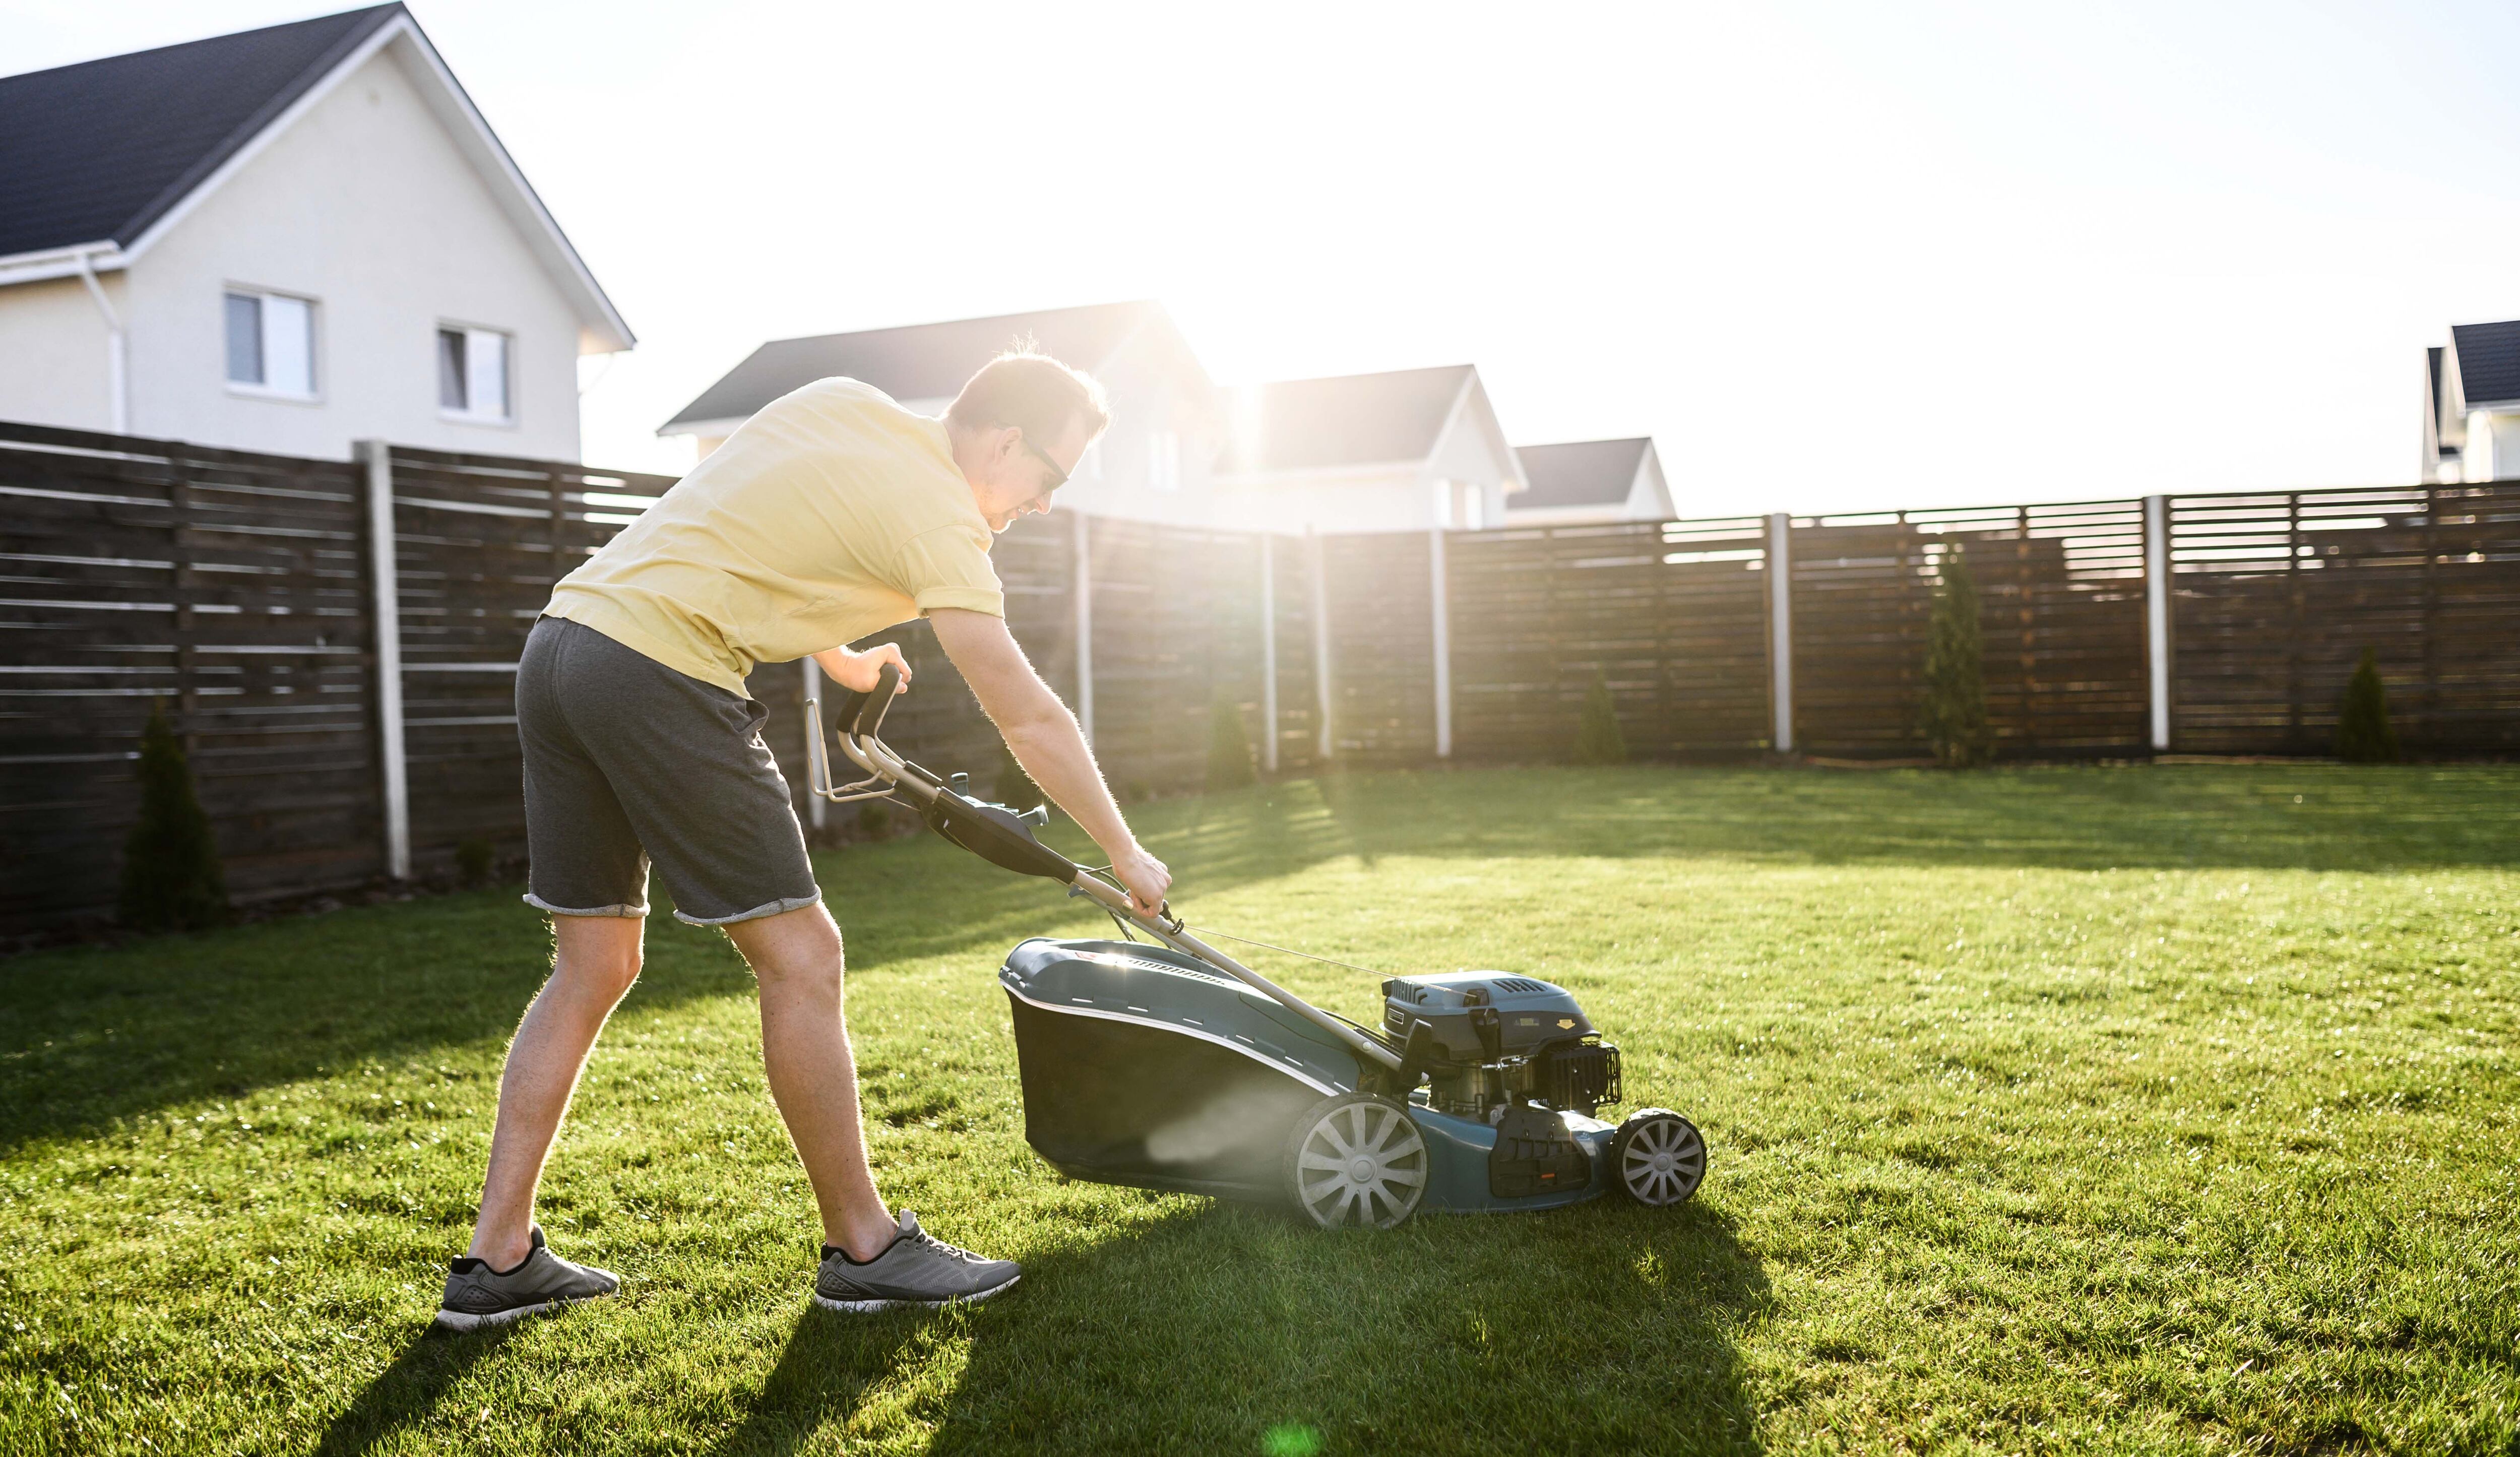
[
  {"x": 1385, "y": 498},
  {"x": 366, "y": 205},
  {"x": 53, "y": 354},
  {"x": 2493, "y": 450},
  {"x": 1471, "y": 452},
  {"x": 1149, "y": 399}
]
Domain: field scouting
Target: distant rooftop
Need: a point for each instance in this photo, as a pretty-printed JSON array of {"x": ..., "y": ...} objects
[
  {"x": 917, "y": 361},
  {"x": 2489, "y": 361},
  {"x": 1579, "y": 472},
  {"x": 1348, "y": 420}
]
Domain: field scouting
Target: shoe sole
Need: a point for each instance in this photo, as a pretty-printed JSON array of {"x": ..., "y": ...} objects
[
  {"x": 465, "y": 1320},
  {"x": 869, "y": 1307}
]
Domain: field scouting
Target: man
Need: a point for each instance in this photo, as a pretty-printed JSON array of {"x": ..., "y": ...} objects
[{"x": 830, "y": 514}]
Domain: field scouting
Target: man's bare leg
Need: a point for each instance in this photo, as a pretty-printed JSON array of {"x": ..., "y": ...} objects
[
  {"x": 796, "y": 958},
  {"x": 596, "y": 960}
]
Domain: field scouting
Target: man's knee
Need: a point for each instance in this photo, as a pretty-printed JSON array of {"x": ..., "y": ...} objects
[
  {"x": 602, "y": 960},
  {"x": 798, "y": 949}
]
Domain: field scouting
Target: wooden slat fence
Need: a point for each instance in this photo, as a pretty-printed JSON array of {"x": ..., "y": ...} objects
[
  {"x": 2275, "y": 598},
  {"x": 2060, "y": 592},
  {"x": 479, "y": 541},
  {"x": 1672, "y": 615},
  {"x": 233, "y": 590},
  {"x": 228, "y": 587}
]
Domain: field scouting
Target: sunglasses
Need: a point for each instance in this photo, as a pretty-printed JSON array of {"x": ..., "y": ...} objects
[{"x": 1058, "y": 476}]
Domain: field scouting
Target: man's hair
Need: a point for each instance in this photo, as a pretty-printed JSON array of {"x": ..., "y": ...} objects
[{"x": 1029, "y": 389}]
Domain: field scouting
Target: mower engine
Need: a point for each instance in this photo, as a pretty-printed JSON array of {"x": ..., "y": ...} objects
[{"x": 1492, "y": 1041}]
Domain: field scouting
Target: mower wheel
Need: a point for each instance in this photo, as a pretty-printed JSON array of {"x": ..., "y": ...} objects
[
  {"x": 1657, "y": 1157},
  {"x": 1356, "y": 1159}
]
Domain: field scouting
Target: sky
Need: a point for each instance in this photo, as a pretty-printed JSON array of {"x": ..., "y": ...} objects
[{"x": 1831, "y": 256}]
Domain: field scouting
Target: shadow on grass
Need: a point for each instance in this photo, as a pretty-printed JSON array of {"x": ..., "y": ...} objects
[
  {"x": 409, "y": 1389},
  {"x": 829, "y": 1364},
  {"x": 92, "y": 1035},
  {"x": 1605, "y": 1328}
]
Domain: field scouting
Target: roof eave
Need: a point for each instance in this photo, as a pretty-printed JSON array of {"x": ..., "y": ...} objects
[
  {"x": 721, "y": 427},
  {"x": 37, "y": 265}
]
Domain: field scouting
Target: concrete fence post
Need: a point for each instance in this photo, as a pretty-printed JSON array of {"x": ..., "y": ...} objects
[
  {"x": 1083, "y": 569},
  {"x": 1268, "y": 654},
  {"x": 1781, "y": 630},
  {"x": 1320, "y": 564},
  {"x": 815, "y": 804},
  {"x": 385, "y": 617},
  {"x": 2156, "y": 614},
  {"x": 1442, "y": 625}
]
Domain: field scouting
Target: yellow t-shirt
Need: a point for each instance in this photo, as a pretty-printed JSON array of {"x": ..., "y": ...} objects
[{"x": 832, "y": 514}]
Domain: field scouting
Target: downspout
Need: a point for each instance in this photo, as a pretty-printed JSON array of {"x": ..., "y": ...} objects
[{"x": 117, "y": 370}]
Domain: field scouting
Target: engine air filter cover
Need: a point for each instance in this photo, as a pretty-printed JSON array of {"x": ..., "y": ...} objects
[{"x": 1529, "y": 1012}]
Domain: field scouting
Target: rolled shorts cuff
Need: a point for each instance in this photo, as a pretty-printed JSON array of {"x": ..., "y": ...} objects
[
  {"x": 773, "y": 908},
  {"x": 549, "y": 909}
]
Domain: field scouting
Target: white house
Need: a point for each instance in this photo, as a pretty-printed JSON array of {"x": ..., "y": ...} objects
[
  {"x": 2472, "y": 405},
  {"x": 1583, "y": 481},
  {"x": 285, "y": 239},
  {"x": 1151, "y": 465},
  {"x": 1408, "y": 450}
]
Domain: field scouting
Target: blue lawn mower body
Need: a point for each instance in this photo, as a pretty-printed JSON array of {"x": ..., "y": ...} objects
[{"x": 1169, "y": 1065}]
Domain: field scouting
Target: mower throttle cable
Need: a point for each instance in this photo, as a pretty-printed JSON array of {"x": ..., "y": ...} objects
[{"x": 1286, "y": 950}]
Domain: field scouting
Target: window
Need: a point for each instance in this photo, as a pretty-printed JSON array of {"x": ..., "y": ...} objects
[
  {"x": 1163, "y": 461},
  {"x": 271, "y": 344},
  {"x": 473, "y": 373}
]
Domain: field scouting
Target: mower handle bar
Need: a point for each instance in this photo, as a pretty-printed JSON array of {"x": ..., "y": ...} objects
[{"x": 998, "y": 836}]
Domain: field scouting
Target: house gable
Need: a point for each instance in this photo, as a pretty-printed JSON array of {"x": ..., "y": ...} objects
[
  {"x": 1342, "y": 424},
  {"x": 929, "y": 362},
  {"x": 185, "y": 120}
]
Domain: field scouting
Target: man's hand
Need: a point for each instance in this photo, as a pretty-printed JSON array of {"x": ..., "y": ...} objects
[
  {"x": 859, "y": 673},
  {"x": 1144, "y": 877}
]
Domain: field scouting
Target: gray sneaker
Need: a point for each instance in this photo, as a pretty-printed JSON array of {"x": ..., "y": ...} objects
[
  {"x": 916, "y": 1269},
  {"x": 478, "y": 1296}
]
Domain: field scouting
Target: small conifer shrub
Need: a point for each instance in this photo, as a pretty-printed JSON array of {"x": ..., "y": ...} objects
[
  {"x": 1597, "y": 739},
  {"x": 2362, "y": 732},
  {"x": 1228, "y": 745},
  {"x": 1955, "y": 706},
  {"x": 474, "y": 860},
  {"x": 171, "y": 879},
  {"x": 874, "y": 819}
]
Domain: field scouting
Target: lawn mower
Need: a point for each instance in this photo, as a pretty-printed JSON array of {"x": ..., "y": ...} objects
[{"x": 1166, "y": 1064}]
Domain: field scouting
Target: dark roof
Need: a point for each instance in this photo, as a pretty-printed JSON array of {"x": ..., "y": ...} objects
[
  {"x": 1350, "y": 420},
  {"x": 918, "y": 361},
  {"x": 103, "y": 149},
  {"x": 1579, "y": 472},
  {"x": 2489, "y": 361}
]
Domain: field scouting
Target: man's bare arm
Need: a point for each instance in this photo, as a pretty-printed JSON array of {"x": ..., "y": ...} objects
[{"x": 1047, "y": 742}]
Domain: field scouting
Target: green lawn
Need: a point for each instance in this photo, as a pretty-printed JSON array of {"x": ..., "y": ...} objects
[{"x": 2137, "y": 1111}]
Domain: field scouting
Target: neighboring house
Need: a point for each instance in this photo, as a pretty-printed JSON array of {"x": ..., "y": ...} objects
[
  {"x": 1586, "y": 481},
  {"x": 285, "y": 239},
  {"x": 2472, "y": 405},
  {"x": 1151, "y": 465},
  {"x": 1409, "y": 450}
]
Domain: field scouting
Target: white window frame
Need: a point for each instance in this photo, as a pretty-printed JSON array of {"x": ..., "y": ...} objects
[
  {"x": 1163, "y": 461},
  {"x": 246, "y": 389},
  {"x": 505, "y": 416}
]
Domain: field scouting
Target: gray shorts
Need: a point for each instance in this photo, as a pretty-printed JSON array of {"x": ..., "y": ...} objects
[{"x": 626, "y": 759}]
